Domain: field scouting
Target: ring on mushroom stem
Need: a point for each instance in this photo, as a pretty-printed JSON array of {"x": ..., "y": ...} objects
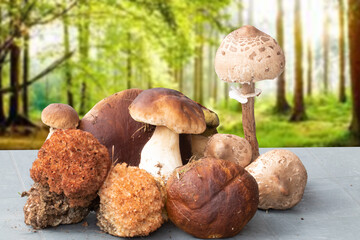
[{"x": 246, "y": 56}]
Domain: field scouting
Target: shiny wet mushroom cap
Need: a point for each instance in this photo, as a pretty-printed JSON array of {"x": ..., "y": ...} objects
[{"x": 281, "y": 178}]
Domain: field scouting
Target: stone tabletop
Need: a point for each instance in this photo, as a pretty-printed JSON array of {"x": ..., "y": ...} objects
[{"x": 330, "y": 208}]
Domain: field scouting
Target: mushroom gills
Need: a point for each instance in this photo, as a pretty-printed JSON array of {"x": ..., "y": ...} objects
[
  {"x": 161, "y": 154},
  {"x": 235, "y": 93}
]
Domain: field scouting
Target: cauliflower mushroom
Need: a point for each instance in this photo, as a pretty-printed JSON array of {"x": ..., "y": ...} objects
[
  {"x": 72, "y": 162},
  {"x": 59, "y": 116},
  {"x": 173, "y": 113},
  {"x": 131, "y": 202},
  {"x": 246, "y": 56},
  {"x": 281, "y": 177}
]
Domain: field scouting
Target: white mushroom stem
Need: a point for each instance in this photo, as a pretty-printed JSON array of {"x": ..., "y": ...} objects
[
  {"x": 161, "y": 154},
  {"x": 51, "y": 131}
]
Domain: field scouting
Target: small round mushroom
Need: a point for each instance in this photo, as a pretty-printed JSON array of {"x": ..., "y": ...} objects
[
  {"x": 229, "y": 147},
  {"x": 131, "y": 202},
  {"x": 281, "y": 177},
  {"x": 245, "y": 56},
  {"x": 59, "y": 116},
  {"x": 172, "y": 113}
]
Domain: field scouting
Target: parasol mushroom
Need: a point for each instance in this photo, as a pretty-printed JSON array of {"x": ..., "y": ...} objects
[
  {"x": 246, "y": 56},
  {"x": 59, "y": 116},
  {"x": 172, "y": 113}
]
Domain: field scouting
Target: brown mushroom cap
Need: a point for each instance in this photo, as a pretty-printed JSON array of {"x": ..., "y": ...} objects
[
  {"x": 110, "y": 122},
  {"x": 59, "y": 115},
  {"x": 281, "y": 177},
  {"x": 211, "y": 198},
  {"x": 229, "y": 147},
  {"x": 170, "y": 108},
  {"x": 249, "y": 55}
]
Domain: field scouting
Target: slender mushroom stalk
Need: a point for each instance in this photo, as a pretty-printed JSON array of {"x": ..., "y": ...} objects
[
  {"x": 161, "y": 154},
  {"x": 246, "y": 56},
  {"x": 173, "y": 114}
]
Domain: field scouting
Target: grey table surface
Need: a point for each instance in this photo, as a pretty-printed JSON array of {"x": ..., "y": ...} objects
[{"x": 330, "y": 208}]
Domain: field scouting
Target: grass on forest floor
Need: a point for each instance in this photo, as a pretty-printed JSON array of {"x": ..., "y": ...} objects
[{"x": 326, "y": 125}]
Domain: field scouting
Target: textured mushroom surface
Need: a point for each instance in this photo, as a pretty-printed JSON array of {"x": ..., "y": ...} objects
[
  {"x": 74, "y": 163},
  {"x": 211, "y": 198},
  {"x": 59, "y": 115},
  {"x": 281, "y": 177},
  {"x": 44, "y": 208},
  {"x": 110, "y": 122},
  {"x": 248, "y": 55},
  {"x": 131, "y": 203},
  {"x": 229, "y": 147}
]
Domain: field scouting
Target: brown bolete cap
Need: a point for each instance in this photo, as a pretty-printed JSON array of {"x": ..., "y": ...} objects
[
  {"x": 59, "y": 115},
  {"x": 249, "y": 55},
  {"x": 229, "y": 147},
  {"x": 211, "y": 198},
  {"x": 110, "y": 122},
  {"x": 281, "y": 177},
  {"x": 170, "y": 108}
]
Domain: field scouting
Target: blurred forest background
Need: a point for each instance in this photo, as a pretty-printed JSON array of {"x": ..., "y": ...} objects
[{"x": 81, "y": 51}]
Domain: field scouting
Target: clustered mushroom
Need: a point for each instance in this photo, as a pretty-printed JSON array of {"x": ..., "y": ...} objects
[{"x": 212, "y": 196}]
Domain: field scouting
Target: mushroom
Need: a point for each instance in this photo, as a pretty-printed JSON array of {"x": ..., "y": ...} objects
[
  {"x": 131, "y": 202},
  {"x": 229, "y": 147},
  {"x": 110, "y": 122},
  {"x": 246, "y": 56},
  {"x": 59, "y": 116},
  {"x": 211, "y": 198},
  {"x": 72, "y": 162},
  {"x": 281, "y": 177},
  {"x": 172, "y": 113}
]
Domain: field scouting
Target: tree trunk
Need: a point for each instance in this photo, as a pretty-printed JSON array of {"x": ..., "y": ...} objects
[
  {"x": 198, "y": 65},
  {"x": 326, "y": 50},
  {"x": 67, "y": 65},
  {"x": 26, "y": 69},
  {"x": 310, "y": 69},
  {"x": 299, "y": 108},
  {"x": 248, "y": 120},
  {"x": 354, "y": 49},
  {"x": 2, "y": 113},
  {"x": 14, "y": 83},
  {"x": 84, "y": 40},
  {"x": 342, "y": 94},
  {"x": 129, "y": 63},
  {"x": 282, "y": 105}
]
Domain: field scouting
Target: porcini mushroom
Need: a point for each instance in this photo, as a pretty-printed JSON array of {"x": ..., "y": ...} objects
[
  {"x": 211, "y": 198},
  {"x": 229, "y": 147},
  {"x": 172, "y": 113},
  {"x": 110, "y": 122},
  {"x": 59, "y": 116},
  {"x": 281, "y": 178},
  {"x": 246, "y": 56}
]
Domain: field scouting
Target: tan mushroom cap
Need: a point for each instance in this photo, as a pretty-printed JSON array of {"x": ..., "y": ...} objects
[
  {"x": 249, "y": 55},
  {"x": 59, "y": 115},
  {"x": 229, "y": 147},
  {"x": 170, "y": 108},
  {"x": 281, "y": 178}
]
